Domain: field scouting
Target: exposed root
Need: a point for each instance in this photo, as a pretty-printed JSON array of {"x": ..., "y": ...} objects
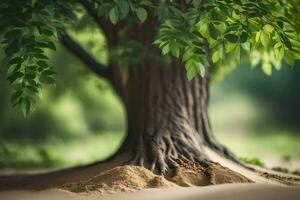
[{"x": 160, "y": 154}]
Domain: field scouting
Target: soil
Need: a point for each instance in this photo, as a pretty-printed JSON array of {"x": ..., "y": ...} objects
[
  {"x": 115, "y": 177},
  {"x": 120, "y": 179},
  {"x": 131, "y": 178}
]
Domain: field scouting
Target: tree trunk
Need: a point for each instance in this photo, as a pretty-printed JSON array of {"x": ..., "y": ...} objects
[
  {"x": 167, "y": 116},
  {"x": 167, "y": 125}
]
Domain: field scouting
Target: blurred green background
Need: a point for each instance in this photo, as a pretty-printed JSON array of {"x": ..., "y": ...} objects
[{"x": 80, "y": 120}]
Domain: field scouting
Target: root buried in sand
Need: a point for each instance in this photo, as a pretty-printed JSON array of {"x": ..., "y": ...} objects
[
  {"x": 121, "y": 179},
  {"x": 117, "y": 176}
]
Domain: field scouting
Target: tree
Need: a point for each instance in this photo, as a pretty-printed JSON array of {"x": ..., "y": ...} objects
[{"x": 151, "y": 44}]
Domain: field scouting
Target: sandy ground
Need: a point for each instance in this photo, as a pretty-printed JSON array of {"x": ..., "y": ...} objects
[
  {"x": 110, "y": 181},
  {"x": 224, "y": 192}
]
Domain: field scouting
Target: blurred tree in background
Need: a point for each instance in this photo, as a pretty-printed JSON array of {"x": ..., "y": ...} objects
[
  {"x": 280, "y": 93},
  {"x": 75, "y": 110},
  {"x": 68, "y": 109}
]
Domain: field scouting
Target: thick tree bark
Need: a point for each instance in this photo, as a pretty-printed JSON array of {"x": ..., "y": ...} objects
[{"x": 167, "y": 116}]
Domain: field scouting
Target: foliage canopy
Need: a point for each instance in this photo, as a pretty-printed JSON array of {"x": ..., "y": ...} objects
[{"x": 201, "y": 33}]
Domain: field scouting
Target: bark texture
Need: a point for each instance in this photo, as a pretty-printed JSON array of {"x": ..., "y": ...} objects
[{"x": 167, "y": 116}]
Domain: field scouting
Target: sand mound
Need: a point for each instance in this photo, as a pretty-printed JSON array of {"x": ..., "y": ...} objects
[
  {"x": 121, "y": 179},
  {"x": 220, "y": 175},
  {"x": 132, "y": 178},
  {"x": 192, "y": 174}
]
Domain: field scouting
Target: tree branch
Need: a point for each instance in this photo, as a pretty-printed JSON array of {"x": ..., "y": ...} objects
[
  {"x": 84, "y": 57},
  {"x": 90, "y": 9},
  {"x": 105, "y": 25}
]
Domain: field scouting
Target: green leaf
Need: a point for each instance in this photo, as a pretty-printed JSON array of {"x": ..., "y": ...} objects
[
  {"x": 279, "y": 53},
  {"x": 12, "y": 78},
  {"x": 25, "y": 105},
  {"x": 124, "y": 7},
  {"x": 113, "y": 16},
  {"x": 246, "y": 46},
  {"x": 201, "y": 69},
  {"x": 193, "y": 68},
  {"x": 12, "y": 48},
  {"x": 230, "y": 47},
  {"x": 269, "y": 28},
  {"x": 166, "y": 49},
  {"x": 47, "y": 80},
  {"x": 175, "y": 50},
  {"x": 267, "y": 68},
  {"x": 264, "y": 39},
  {"x": 12, "y": 34},
  {"x": 48, "y": 73},
  {"x": 141, "y": 14},
  {"x": 287, "y": 42},
  {"x": 16, "y": 60},
  {"x": 212, "y": 31},
  {"x": 42, "y": 63},
  {"x": 33, "y": 89},
  {"x": 187, "y": 55},
  {"x": 47, "y": 32},
  {"x": 191, "y": 72},
  {"x": 231, "y": 38},
  {"x": 16, "y": 95},
  {"x": 216, "y": 56},
  {"x": 289, "y": 58},
  {"x": 51, "y": 45},
  {"x": 30, "y": 76},
  {"x": 243, "y": 37},
  {"x": 41, "y": 56}
]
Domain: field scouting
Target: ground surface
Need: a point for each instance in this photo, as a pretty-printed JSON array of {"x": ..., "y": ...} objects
[
  {"x": 187, "y": 181},
  {"x": 113, "y": 176},
  {"x": 220, "y": 192}
]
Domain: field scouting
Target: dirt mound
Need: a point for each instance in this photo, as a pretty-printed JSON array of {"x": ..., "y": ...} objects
[
  {"x": 220, "y": 175},
  {"x": 190, "y": 174},
  {"x": 210, "y": 173},
  {"x": 121, "y": 179},
  {"x": 132, "y": 178}
]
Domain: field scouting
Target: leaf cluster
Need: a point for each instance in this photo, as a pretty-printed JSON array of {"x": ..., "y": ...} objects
[
  {"x": 29, "y": 28},
  {"x": 201, "y": 33},
  {"x": 257, "y": 30}
]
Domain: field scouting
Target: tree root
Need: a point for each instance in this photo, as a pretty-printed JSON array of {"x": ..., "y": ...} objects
[
  {"x": 180, "y": 160},
  {"x": 162, "y": 158}
]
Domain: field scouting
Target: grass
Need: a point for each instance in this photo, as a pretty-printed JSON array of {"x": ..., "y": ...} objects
[
  {"x": 258, "y": 162},
  {"x": 277, "y": 143},
  {"x": 253, "y": 161},
  {"x": 286, "y": 170}
]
